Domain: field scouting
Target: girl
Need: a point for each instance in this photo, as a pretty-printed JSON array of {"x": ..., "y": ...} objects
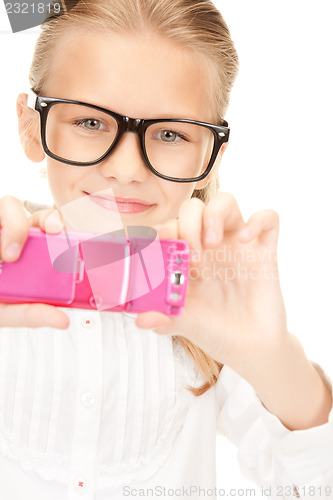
[{"x": 120, "y": 405}]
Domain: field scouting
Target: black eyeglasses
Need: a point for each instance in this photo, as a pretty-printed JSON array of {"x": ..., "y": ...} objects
[{"x": 82, "y": 134}]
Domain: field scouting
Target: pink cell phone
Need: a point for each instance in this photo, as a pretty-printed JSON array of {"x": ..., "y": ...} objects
[{"x": 132, "y": 272}]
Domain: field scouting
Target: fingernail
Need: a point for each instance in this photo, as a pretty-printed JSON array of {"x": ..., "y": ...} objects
[
  {"x": 13, "y": 251},
  {"x": 211, "y": 236},
  {"x": 246, "y": 233}
]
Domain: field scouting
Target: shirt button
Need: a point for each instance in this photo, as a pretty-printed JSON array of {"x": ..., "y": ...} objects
[
  {"x": 88, "y": 399},
  {"x": 87, "y": 323},
  {"x": 80, "y": 484}
]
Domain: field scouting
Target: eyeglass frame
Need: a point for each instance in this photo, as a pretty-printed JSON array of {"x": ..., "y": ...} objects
[{"x": 126, "y": 124}]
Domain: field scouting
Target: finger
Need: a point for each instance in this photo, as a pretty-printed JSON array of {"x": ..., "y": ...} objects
[
  {"x": 154, "y": 321},
  {"x": 32, "y": 316},
  {"x": 168, "y": 230},
  {"x": 222, "y": 214},
  {"x": 190, "y": 222},
  {"x": 263, "y": 225},
  {"x": 14, "y": 230},
  {"x": 188, "y": 225},
  {"x": 185, "y": 325},
  {"x": 48, "y": 220}
]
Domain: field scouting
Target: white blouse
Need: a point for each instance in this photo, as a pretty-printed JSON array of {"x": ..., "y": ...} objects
[{"x": 101, "y": 411}]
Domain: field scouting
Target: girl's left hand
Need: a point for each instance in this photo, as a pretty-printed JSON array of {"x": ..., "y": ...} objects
[{"x": 234, "y": 308}]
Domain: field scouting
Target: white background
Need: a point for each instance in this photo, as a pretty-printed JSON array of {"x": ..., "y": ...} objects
[{"x": 280, "y": 153}]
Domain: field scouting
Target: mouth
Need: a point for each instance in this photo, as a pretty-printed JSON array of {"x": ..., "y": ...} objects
[{"x": 121, "y": 205}]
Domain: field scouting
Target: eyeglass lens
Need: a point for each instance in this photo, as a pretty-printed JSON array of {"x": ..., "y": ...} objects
[{"x": 82, "y": 134}]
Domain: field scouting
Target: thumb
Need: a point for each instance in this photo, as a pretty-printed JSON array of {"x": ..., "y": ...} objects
[
  {"x": 155, "y": 321},
  {"x": 168, "y": 230}
]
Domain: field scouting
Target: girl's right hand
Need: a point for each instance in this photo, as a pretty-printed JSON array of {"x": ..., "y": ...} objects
[{"x": 15, "y": 224}]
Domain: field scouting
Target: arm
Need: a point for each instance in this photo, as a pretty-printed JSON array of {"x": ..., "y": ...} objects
[
  {"x": 289, "y": 386},
  {"x": 235, "y": 311},
  {"x": 276, "y": 458}
]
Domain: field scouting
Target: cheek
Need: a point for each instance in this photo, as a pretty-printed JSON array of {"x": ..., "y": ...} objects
[
  {"x": 63, "y": 180},
  {"x": 53, "y": 177}
]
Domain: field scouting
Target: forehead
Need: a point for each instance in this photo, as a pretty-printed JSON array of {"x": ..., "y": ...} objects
[{"x": 138, "y": 76}]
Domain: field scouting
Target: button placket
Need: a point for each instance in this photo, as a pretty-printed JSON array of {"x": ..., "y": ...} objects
[{"x": 88, "y": 405}]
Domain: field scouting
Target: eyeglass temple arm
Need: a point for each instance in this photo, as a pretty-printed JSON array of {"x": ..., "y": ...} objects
[{"x": 32, "y": 99}]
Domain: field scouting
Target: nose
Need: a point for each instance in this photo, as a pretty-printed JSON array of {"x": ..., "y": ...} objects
[{"x": 125, "y": 164}]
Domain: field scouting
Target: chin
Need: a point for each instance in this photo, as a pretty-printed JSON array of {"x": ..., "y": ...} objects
[{"x": 130, "y": 220}]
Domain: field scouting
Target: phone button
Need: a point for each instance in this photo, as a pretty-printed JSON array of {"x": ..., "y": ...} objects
[{"x": 95, "y": 301}]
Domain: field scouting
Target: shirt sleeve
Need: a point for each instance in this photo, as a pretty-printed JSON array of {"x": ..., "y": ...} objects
[{"x": 289, "y": 464}]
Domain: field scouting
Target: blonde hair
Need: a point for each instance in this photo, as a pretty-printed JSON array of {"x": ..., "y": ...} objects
[{"x": 195, "y": 24}]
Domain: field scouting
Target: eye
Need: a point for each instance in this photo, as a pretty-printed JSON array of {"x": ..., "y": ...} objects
[
  {"x": 91, "y": 124},
  {"x": 170, "y": 136}
]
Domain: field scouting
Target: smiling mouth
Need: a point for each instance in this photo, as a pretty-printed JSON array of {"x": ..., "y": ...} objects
[{"x": 121, "y": 205}]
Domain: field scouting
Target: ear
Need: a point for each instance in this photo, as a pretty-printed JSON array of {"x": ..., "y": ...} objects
[
  {"x": 29, "y": 129},
  {"x": 202, "y": 184}
]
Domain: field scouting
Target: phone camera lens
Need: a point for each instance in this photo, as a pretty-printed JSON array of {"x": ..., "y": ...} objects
[{"x": 177, "y": 278}]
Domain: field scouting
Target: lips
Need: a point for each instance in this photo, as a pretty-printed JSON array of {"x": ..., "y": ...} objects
[{"x": 121, "y": 205}]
